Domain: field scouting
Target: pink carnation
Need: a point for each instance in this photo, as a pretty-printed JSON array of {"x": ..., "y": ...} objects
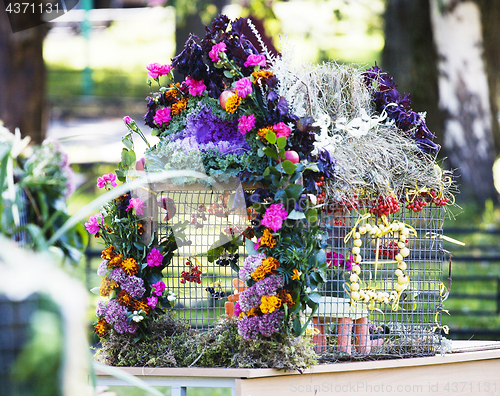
[
  {"x": 159, "y": 287},
  {"x": 274, "y": 216},
  {"x": 195, "y": 87},
  {"x": 154, "y": 258},
  {"x": 246, "y": 123},
  {"x": 103, "y": 180},
  {"x": 92, "y": 225},
  {"x": 281, "y": 129},
  {"x": 214, "y": 52},
  {"x": 255, "y": 60},
  {"x": 163, "y": 116},
  {"x": 137, "y": 204},
  {"x": 152, "y": 301},
  {"x": 156, "y": 70},
  {"x": 127, "y": 120},
  {"x": 243, "y": 87}
]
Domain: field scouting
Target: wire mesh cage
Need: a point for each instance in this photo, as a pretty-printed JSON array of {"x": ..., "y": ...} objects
[
  {"x": 382, "y": 319},
  {"x": 384, "y": 285}
]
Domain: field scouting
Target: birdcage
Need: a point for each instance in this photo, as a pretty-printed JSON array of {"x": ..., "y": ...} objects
[
  {"x": 384, "y": 288},
  {"x": 206, "y": 222}
]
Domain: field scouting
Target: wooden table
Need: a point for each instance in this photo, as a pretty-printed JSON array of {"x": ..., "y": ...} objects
[{"x": 472, "y": 368}]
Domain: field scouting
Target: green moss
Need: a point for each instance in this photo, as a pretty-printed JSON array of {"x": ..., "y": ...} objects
[{"x": 170, "y": 343}]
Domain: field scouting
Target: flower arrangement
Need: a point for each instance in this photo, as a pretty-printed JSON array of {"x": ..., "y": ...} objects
[
  {"x": 309, "y": 138},
  {"x": 131, "y": 268}
]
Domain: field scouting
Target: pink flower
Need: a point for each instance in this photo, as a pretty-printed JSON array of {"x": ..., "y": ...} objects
[
  {"x": 163, "y": 116},
  {"x": 92, "y": 225},
  {"x": 214, "y": 52},
  {"x": 102, "y": 181},
  {"x": 195, "y": 87},
  {"x": 282, "y": 129},
  {"x": 246, "y": 123},
  {"x": 274, "y": 216},
  {"x": 243, "y": 87},
  {"x": 154, "y": 258},
  {"x": 156, "y": 70},
  {"x": 137, "y": 204},
  {"x": 159, "y": 287},
  {"x": 127, "y": 120},
  {"x": 152, "y": 301},
  {"x": 255, "y": 60},
  {"x": 237, "y": 309}
]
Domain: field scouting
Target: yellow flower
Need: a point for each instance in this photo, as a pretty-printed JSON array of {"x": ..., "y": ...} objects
[
  {"x": 252, "y": 312},
  {"x": 107, "y": 285},
  {"x": 115, "y": 261},
  {"x": 260, "y": 75},
  {"x": 267, "y": 239},
  {"x": 296, "y": 275},
  {"x": 129, "y": 266},
  {"x": 124, "y": 298},
  {"x": 172, "y": 92},
  {"x": 138, "y": 305},
  {"x": 140, "y": 229},
  {"x": 269, "y": 303},
  {"x": 101, "y": 328},
  {"x": 232, "y": 103},
  {"x": 262, "y": 132}
]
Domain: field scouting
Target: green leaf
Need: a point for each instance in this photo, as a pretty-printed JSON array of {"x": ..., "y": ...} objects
[
  {"x": 312, "y": 215},
  {"x": 315, "y": 296},
  {"x": 271, "y": 137},
  {"x": 96, "y": 290},
  {"x": 128, "y": 157},
  {"x": 271, "y": 152},
  {"x": 228, "y": 74},
  {"x": 281, "y": 142},
  {"x": 260, "y": 152},
  {"x": 250, "y": 247},
  {"x": 267, "y": 172},
  {"x": 297, "y": 327},
  {"x": 128, "y": 142},
  {"x": 289, "y": 167},
  {"x": 280, "y": 195},
  {"x": 296, "y": 215},
  {"x": 294, "y": 190}
]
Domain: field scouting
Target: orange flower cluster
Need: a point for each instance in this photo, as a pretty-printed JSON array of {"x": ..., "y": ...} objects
[
  {"x": 172, "y": 93},
  {"x": 267, "y": 239},
  {"x": 124, "y": 298},
  {"x": 286, "y": 298},
  {"x": 296, "y": 275},
  {"x": 261, "y": 75},
  {"x": 115, "y": 261},
  {"x": 138, "y": 305},
  {"x": 107, "y": 285},
  {"x": 101, "y": 328},
  {"x": 180, "y": 105},
  {"x": 262, "y": 132},
  {"x": 268, "y": 265},
  {"x": 140, "y": 229},
  {"x": 232, "y": 103},
  {"x": 108, "y": 253},
  {"x": 129, "y": 266}
]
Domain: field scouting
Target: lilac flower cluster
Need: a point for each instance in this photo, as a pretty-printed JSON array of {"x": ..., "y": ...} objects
[
  {"x": 134, "y": 286},
  {"x": 103, "y": 268},
  {"x": 115, "y": 312},
  {"x": 125, "y": 327},
  {"x": 250, "y": 264},
  {"x": 267, "y": 325},
  {"x": 386, "y": 96},
  {"x": 250, "y": 298}
]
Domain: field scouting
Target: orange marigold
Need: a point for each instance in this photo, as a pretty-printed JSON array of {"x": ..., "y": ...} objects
[
  {"x": 108, "y": 253},
  {"x": 252, "y": 312},
  {"x": 268, "y": 265},
  {"x": 269, "y": 303},
  {"x": 116, "y": 261},
  {"x": 129, "y": 266},
  {"x": 179, "y": 106},
  {"x": 107, "y": 285},
  {"x": 267, "y": 239},
  {"x": 286, "y": 298},
  {"x": 261, "y": 75},
  {"x": 140, "y": 229},
  {"x": 101, "y": 328},
  {"x": 296, "y": 275},
  {"x": 124, "y": 298},
  {"x": 138, "y": 305},
  {"x": 262, "y": 132},
  {"x": 172, "y": 92},
  {"x": 232, "y": 103}
]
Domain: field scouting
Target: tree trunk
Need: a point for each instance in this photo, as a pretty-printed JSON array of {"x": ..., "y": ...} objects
[
  {"x": 22, "y": 79},
  {"x": 464, "y": 95},
  {"x": 410, "y": 57}
]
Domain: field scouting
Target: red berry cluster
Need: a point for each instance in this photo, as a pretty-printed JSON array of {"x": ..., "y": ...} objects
[
  {"x": 320, "y": 198},
  {"x": 388, "y": 250},
  {"x": 352, "y": 204},
  {"x": 384, "y": 206},
  {"x": 194, "y": 274},
  {"x": 417, "y": 204},
  {"x": 438, "y": 201}
]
